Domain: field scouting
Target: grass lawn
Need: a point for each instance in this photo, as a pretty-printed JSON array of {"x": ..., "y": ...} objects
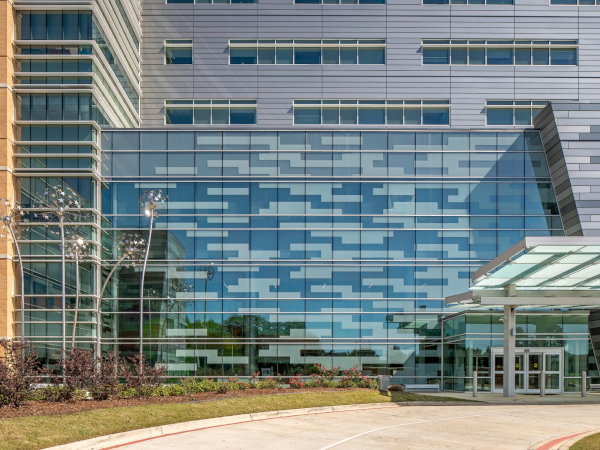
[
  {"x": 38, "y": 432},
  {"x": 591, "y": 442}
]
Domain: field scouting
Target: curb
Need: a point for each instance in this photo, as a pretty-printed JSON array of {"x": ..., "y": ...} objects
[
  {"x": 564, "y": 442},
  {"x": 113, "y": 441}
]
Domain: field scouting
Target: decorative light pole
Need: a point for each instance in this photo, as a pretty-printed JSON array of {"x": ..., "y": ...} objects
[
  {"x": 131, "y": 246},
  {"x": 207, "y": 273},
  {"x": 59, "y": 205},
  {"x": 76, "y": 249},
  {"x": 152, "y": 204},
  {"x": 12, "y": 217}
]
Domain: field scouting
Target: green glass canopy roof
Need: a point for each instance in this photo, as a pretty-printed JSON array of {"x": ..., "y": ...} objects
[
  {"x": 539, "y": 271},
  {"x": 544, "y": 263}
]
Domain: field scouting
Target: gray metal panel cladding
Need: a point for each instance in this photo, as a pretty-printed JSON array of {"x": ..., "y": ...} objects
[
  {"x": 403, "y": 23},
  {"x": 571, "y": 140}
]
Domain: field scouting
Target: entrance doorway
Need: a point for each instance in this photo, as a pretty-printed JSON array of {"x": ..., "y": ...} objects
[{"x": 529, "y": 365}]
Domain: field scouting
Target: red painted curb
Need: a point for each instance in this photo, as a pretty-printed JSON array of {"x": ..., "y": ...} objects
[
  {"x": 228, "y": 424},
  {"x": 549, "y": 445}
]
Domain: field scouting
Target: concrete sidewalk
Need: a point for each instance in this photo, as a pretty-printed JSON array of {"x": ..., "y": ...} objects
[{"x": 523, "y": 399}]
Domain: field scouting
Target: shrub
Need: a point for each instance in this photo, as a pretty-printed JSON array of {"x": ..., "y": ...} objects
[
  {"x": 396, "y": 388},
  {"x": 105, "y": 380},
  {"x": 20, "y": 371},
  {"x": 169, "y": 390},
  {"x": 140, "y": 376},
  {"x": 75, "y": 371},
  {"x": 346, "y": 383},
  {"x": 270, "y": 383},
  {"x": 296, "y": 382},
  {"x": 367, "y": 383}
]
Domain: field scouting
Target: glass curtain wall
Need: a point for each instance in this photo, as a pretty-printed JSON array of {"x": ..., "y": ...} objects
[{"x": 283, "y": 250}]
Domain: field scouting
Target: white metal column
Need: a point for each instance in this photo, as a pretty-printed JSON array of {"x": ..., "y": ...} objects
[{"x": 509, "y": 351}]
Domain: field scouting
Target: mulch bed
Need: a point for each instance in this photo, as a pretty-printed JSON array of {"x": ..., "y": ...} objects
[{"x": 39, "y": 408}]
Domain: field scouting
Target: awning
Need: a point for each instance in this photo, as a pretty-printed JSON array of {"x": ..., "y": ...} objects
[{"x": 539, "y": 271}]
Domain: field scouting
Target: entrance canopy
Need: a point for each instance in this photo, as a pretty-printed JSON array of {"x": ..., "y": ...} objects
[{"x": 539, "y": 271}]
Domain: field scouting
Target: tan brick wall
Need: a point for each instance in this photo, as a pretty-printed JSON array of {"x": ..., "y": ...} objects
[{"x": 7, "y": 134}]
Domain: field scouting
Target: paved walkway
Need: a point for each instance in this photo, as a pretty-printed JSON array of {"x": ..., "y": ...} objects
[
  {"x": 381, "y": 427},
  {"x": 530, "y": 399}
]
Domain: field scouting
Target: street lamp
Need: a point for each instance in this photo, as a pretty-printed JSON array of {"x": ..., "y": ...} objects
[
  {"x": 75, "y": 249},
  {"x": 59, "y": 204},
  {"x": 12, "y": 217},
  {"x": 152, "y": 205}
]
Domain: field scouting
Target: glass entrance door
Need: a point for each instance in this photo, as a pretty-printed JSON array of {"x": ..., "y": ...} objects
[
  {"x": 534, "y": 369},
  {"x": 529, "y": 366}
]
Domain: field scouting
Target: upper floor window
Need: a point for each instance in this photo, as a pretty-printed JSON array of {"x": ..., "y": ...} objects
[
  {"x": 512, "y": 113},
  {"x": 210, "y": 112},
  {"x": 371, "y": 112},
  {"x": 499, "y": 52},
  {"x": 55, "y": 25},
  {"x": 575, "y": 2},
  {"x": 470, "y": 2},
  {"x": 307, "y": 51},
  {"x": 212, "y": 1},
  {"x": 340, "y": 2},
  {"x": 178, "y": 51}
]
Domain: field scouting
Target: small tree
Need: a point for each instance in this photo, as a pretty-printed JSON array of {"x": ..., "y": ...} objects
[
  {"x": 140, "y": 376},
  {"x": 20, "y": 371}
]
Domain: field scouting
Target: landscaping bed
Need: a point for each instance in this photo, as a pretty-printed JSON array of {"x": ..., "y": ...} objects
[{"x": 44, "y": 408}]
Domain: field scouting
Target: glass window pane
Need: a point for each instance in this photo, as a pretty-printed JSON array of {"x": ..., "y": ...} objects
[
  {"x": 563, "y": 56},
  {"x": 371, "y": 116},
  {"x": 243, "y": 116},
  {"x": 220, "y": 116},
  {"x": 202, "y": 116},
  {"x": 285, "y": 55},
  {"x": 500, "y": 56},
  {"x": 180, "y": 116},
  {"x": 436, "y": 116},
  {"x": 348, "y": 116},
  {"x": 522, "y": 116},
  {"x": 395, "y": 116},
  {"x": 459, "y": 55},
  {"x": 523, "y": 56},
  {"x": 331, "y": 55},
  {"x": 436, "y": 56},
  {"x": 54, "y": 19},
  {"x": 242, "y": 56},
  {"x": 412, "y": 116},
  {"x": 499, "y": 116},
  {"x": 177, "y": 55},
  {"x": 307, "y": 116},
  {"x": 348, "y": 55},
  {"x": 331, "y": 116},
  {"x": 476, "y": 56},
  {"x": 307, "y": 55},
  {"x": 266, "y": 55},
  {"x": 371, "y": 55},
  {"x": 541, "y": 56}
]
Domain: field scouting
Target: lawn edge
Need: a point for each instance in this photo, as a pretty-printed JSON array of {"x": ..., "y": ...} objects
[{"x": 128, "y": 437}]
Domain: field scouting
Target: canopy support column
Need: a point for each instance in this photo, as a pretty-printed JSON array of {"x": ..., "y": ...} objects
[{"x": 508, "y": 381}]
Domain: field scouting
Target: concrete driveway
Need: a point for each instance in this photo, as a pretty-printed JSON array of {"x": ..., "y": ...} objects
[{"x": 393, "y": 427}]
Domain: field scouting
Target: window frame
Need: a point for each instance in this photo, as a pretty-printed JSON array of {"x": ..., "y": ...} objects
[
  {"x": 170, "y": 104},
  {"x": 514, "y": 105},
  {"x": 485, "y": 45},
  {"x": 357, "y": 105},
  {"x": 356, "y": 44},
  {"x": 168, "y": 43}
]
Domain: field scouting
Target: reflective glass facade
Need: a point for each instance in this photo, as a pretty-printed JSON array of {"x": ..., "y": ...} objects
[{"x": 282, "y": 250}]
